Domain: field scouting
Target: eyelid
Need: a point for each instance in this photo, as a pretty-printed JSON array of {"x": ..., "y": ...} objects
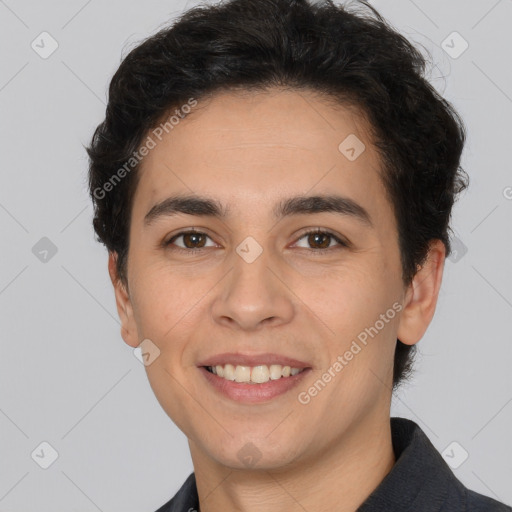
[
  {"x": 341, "y": 241},
  {"x": 199, "y": 231}
]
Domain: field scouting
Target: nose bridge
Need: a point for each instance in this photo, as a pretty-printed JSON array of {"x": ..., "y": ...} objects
[
  {"x": 251, "y": 261},
  {"x": 252, "y": 294}
]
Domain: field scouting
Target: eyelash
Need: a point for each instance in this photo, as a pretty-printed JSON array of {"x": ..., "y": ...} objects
[{"x": 342, "y": 243}]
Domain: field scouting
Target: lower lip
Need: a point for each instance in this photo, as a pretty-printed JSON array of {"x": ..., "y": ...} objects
[{"x": 253, "y": 393}]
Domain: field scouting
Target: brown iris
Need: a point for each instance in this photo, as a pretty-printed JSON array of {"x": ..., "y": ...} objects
[
  {"x": 313, "y": 239},
  {"x": 193, "y": 239}
]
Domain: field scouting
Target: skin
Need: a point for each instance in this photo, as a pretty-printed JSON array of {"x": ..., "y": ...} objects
[{"x": 249, "y": 151}]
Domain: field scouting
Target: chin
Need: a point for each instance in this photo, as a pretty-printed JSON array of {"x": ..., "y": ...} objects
[{"x": 253, "y": 454}]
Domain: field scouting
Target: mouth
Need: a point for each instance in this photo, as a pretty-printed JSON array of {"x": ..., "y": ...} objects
[
  {"x": 253, "y": 379},
  {"x": 253, "y": 375}
]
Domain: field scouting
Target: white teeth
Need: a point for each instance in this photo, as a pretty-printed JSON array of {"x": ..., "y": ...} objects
[
  {"x": 253, "y": 375},
  {"x": 242, "y": 373},
  {"x": 260, "y": 374},
  {"x": 229, "y": 372},
  {"x": 275, "y": 371}
]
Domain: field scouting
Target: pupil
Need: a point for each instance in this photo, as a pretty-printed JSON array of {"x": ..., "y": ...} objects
[
  {"x": 193, "y": 237},
  {"x": 316, "y": 236}
]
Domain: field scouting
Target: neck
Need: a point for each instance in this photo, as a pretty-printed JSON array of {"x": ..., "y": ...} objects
[{"x": 339, "y": 478}]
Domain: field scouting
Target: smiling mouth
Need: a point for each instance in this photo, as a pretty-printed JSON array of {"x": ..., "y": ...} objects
[{"x": 254, "y": 374}]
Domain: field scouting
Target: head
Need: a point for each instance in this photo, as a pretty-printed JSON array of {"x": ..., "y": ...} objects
[{"x": 272, "y": 117}]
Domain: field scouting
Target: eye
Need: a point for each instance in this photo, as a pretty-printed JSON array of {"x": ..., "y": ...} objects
[
  {"x": 321, "y": 239},
  {"x": 318, "y": 240},
  {"x": 190, "y": 240}
]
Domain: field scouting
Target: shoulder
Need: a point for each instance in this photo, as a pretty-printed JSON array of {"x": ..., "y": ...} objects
[
  {"x": 185, "y": 500},
  {"x": 476, "y": 502}
]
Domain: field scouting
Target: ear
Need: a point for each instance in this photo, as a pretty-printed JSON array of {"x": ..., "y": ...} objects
[
  {"x": 123, "y": 303},
  {"x": 421, "y": 296}
]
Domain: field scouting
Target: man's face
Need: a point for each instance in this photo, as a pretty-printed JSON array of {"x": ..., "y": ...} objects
[{"x": 253, "y": 283}]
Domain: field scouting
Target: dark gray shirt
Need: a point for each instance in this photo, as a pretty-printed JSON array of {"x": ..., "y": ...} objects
[{"x": 420, "y": 481}]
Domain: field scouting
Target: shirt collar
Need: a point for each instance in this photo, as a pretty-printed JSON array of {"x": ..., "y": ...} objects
[{"x": 420, "y": 479}]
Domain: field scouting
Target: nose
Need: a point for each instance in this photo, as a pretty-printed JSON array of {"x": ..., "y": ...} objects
[{"x": 253, "y": 295}]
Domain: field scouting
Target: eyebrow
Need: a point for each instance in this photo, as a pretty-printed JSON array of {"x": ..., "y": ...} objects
[{"x": 204, "y": 206}]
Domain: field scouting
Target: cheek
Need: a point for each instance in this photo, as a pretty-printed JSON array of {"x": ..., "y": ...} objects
[
  {"x": 347, "y": 298},
  {"x": 163, "y": 301},
  {"x": 356, "y": 307}
]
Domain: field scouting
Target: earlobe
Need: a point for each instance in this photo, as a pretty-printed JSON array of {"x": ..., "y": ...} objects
[
  {"x": 422, "y": 295},
  {"x": 123, "y": 304}
]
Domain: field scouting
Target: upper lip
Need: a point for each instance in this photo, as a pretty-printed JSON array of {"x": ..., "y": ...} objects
[{"x": 252, "y": 360}]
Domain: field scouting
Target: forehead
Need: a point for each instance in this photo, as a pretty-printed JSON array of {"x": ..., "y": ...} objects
[
  {"x": 253, "y": 148},
  {"x": 287, "y": 121}
]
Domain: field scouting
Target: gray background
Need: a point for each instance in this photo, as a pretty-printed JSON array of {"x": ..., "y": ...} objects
[{"x": 66, "y": 376}]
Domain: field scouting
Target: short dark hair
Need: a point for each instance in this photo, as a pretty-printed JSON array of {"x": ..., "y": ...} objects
[{"x": 353, "y": 58}]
